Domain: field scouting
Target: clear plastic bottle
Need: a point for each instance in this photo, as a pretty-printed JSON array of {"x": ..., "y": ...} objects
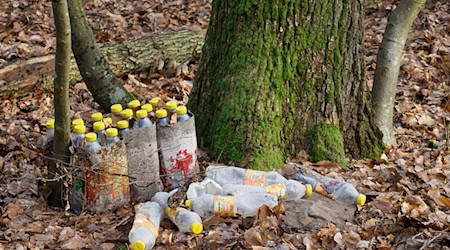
[
  {"x": 111, "y": 136},
  {"x": 337, "y": 190},
  {"x": 246, "y": 205},
  {"x": 78, "y": 136},
  {"x": 290, "y": 190},
  {"x": 115, "y": 110},
  {"x": 96, "y": 117},
  {"x": 50, "y": 125},
  {"x": 108, "y": 121},
  {"x": 171, "y": 107},
  {"x": 134, "y": 105},
  {"x": 127, "y": 114},
  {"x": 91, "y": 144},
  {"x": 145, "y": 228},
  {"x": 207, "y": 186},
  {"x": 185, "y": 220},
  {"x": 182, "y": 114},
  {"x": 162, "y": 197},
  {"x": 123, "y": 127},
  {"x": 149, "y": 108},
  {"x": 77, "y": 121},
  {"x": 99, "y": 128},
  {"x": 240, "y": 176},
  {"x": 155, "y": 102},
  {"x": 161, "y": 115},
  {"x": 142, "y": 121}
]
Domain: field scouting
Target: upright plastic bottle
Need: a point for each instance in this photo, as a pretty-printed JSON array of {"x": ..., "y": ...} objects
[
  {"x": 337, "y": 190},
  {"x": 126, "y": 114},
  {"x": 145, "y": 228},
  {"x": 244, "y": 204},
  {"x": 123, "y": 127},
  {"x": 155, "y": 102},
  {"x": 115, "y": 110},
  {"x": 96, "y": 117},
  {"x": 91, "y": 144},
  {"x": 50, "y": 125},
  {"x": 149, "y": 108},
  {"x": 142, "y": 121},
  {"x": 185, "y": 220},
  {"x": 290, "y": 190},
  {"x": 78, "y": 135},
  {"x": 108, "y": 121},
  {"x": 134, "y": 105},
  {"x": 182, "y": 114},
  {"x": 99, "y": 128},
  {"x": 171, "y": 106},
  {"x": 161, "y": 116},
  {"x": 77, "y": 121},
  {"x": 240, "y": 176},
  {"x": 111, "y": 136}
]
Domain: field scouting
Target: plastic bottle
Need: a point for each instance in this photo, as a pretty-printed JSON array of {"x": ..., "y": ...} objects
[
  {"x": 149, "y": 108},
  {"x": 116, "y": 109},
  {"x": 161, "y": 115},
  {"x": 91, "y": 144},
  {"x": 111, "y": 136},
  {"x": 99, "y": 128},
  {"x": 337, "y": 190},
  {"x": 185, "y": 220},
  {"x": 145, "y": 228},
  {"x": 171, "y": 106},
  {"x": 207, "y": 186},
  {"x": 246, "y": 205},
  {"x": 240, "y": 176},
  {"x": 108, "y": 121},
  {"x": 96, "y": 117},
  {"x": 182, "y": 114},
  {"x": 77, "y": 121},
  {"x": 50, "y": 125},
  {"x": 78, "y": 136},
  {"x": 290, "y": 190},
  {"x": 142, "y": 121},
  {"x": 162, "y": 197},
  {"x": 134, "y": 105},
  {"x": 126, "y": 114},
  {"x": 155, "y": 102},
  {"x": 123, "y": 127}
]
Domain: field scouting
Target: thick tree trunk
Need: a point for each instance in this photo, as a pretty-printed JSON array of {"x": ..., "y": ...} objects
[
  {"x": 280, "y": 77},
  {"x": 62, "y": 108},
  {"x": 388, "y": 64},
  {"x": 100, "y": 80},
  {"x": 126, "y": 58}
]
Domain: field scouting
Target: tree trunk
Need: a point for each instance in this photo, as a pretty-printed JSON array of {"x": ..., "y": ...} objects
[
  {"x": 388, "y": 64},
  {"x": 61, "y": 102},
  {"x": 281, "y": 77},
  {"x": 100, "y": 80}
]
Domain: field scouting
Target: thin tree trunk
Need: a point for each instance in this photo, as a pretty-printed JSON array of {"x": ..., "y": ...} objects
[
  {"x": 388, "y": 64},
  {"x": 276, "y": 78},
  {"x": 61, "y": 98},
  {"x": 100, "y": 80}
]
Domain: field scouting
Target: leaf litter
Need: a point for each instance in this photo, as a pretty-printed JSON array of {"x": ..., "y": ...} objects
[{"x": 408, "y": 189}]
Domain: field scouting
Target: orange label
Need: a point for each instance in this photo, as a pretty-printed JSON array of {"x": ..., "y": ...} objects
[
  {"x": 254, "y": 178},
  {"x": 279, "y": 190},
  {"x": 141, "y": 221},
  {"x": 322, "y": 191},
  {"x": 224, "y": 206},
  {"x": 173, "y": 212}
]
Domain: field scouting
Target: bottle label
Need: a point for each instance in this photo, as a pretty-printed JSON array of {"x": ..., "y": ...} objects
[
  {"x": 254, "y": 178},
  {"x": 319, "y": 189},
  {"x": 142, "y": 221},
  {"x": 279, "y": 190},
  {"x": 224, "y": 206},
  {"x": 173, "y": 212}
]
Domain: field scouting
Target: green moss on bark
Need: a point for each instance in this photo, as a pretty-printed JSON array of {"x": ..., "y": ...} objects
[{"x": 327, "y": 144}]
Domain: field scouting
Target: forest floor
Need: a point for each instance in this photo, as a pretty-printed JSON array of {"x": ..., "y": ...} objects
[{"x": 408, "y": 189}]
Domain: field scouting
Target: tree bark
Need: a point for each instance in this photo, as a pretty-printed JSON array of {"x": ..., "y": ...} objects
[
  {"x": 100, "y": 80},
  {"x": 388, "y": 64},
  {"x": 281, "y": 77},
  {"x": 61, "y": 100}
]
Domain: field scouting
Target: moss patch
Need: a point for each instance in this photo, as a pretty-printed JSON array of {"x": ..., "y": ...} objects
[{"x": 327, "y": 144}]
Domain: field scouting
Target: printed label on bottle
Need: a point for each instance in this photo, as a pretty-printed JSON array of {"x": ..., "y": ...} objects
[
  {"x": 254, "y": 178},
  {"x": 173, "y": 212},
  {"x": 224, "y": 206},
  {"x": 279, "y": 190},
  {"x": 322, "y": 191},
  {"x": 141, "y": 221}
]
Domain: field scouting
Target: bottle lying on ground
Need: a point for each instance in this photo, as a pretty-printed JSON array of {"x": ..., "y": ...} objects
[
  {"x": 145, "y": 228},
  {"x": 245, "y": 204},
  {"x": 240, "y": 176},
  {"x": 337, "y": 190},
  {"x": 185, "y": 220}
]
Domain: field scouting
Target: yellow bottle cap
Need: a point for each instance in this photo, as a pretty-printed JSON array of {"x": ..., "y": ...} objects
[
  {"x": 95, "y": 117},
  {"x": 116, "y": 108},
  {"x": 309, "y": 190},
  {"x": 138, "y": 245},
  {"x": 108, "y": 120},
  {"x": 171, "y": 105},
  {"x": 196, "y": 227},
  {"x": 155, "y": 101},
  {"x": 50, "y": 124},
  {"x": 78, "y": 121},
  {"x": 161, "y": 113},
  {"x": 122, "y": 124},
  {"x": 91, "y": 137},
  {"x": 361, "y": 200},
  {"x": 141, "y": 114},
  {"x": 181, "y": 110},
  {"x": 112, "y": 132},
  {"x": 134, "y": 104},
  {"x": 79, "y": 129},
  {"x": 126, "y": 113},
  {"x": 187, "y": 203},
  {"x": 98, "y": 126},
  {"x": 147, "y": 107}
]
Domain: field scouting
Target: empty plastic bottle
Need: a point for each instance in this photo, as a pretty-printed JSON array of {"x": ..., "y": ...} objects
[
  {"x": 134, "y": 105},
  {"x": 290, "y": 190},
  {"x": 155, "y": 102},
  {"x": 244, "y": 204},
  {"x": 91, "y": 144},
  {"x": 239, "y": 176},
  {"x": 77, "y": 121},
  {"x": 99, "y": 128},
  {"x": 111, "y": 136},
  {"x": 115, "y": 110},
  {"x": 207, "y": 186},
  {"x": 162, "y": 197},
  {"x": 337, "y": 190},
  {"x": 161, "y": 115},
  {"x": 142, "y": 121},
  {"x": 145, "y": 228},
  {"x": 185, "y": 220},
  {"x": 108, "y": 121},
  {"x": 182, "y": 114},
  {"x": 149, "y": 108},
  {"x": 126, "y": 114},
  {"x": 171, "y": 106},
  {"x": 96, "y": 117},
  {"x": 50, "y": 125},
  {"x": 78, "y": 135},
  {"x": 123, "y": 127}
]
